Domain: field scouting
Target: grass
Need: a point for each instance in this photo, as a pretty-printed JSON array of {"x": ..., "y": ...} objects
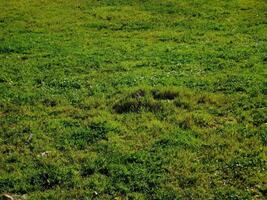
[{"x": 133, "y": 99}]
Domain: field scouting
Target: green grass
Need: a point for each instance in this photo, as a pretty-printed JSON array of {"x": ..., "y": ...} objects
[{"x": 112, "y": 99}]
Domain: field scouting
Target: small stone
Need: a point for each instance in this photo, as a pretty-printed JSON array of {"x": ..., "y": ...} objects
[
  {"x": 44, "y": 154},
  {"x": 8, "y": 197}
]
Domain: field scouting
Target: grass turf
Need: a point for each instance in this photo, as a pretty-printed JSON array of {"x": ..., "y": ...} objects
[{"x": 114, "y": 99}]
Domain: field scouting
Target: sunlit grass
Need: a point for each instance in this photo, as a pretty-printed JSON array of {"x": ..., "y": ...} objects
[{"x": 133, "y": 99}]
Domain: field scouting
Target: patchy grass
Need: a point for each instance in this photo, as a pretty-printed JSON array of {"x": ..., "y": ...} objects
[
  {"x": 165, "y": 94},
  {"x": 133, "y": 100}
]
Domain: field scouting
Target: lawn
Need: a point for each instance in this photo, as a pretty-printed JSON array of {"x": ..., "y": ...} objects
[{"x": 128, "y": 99}]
